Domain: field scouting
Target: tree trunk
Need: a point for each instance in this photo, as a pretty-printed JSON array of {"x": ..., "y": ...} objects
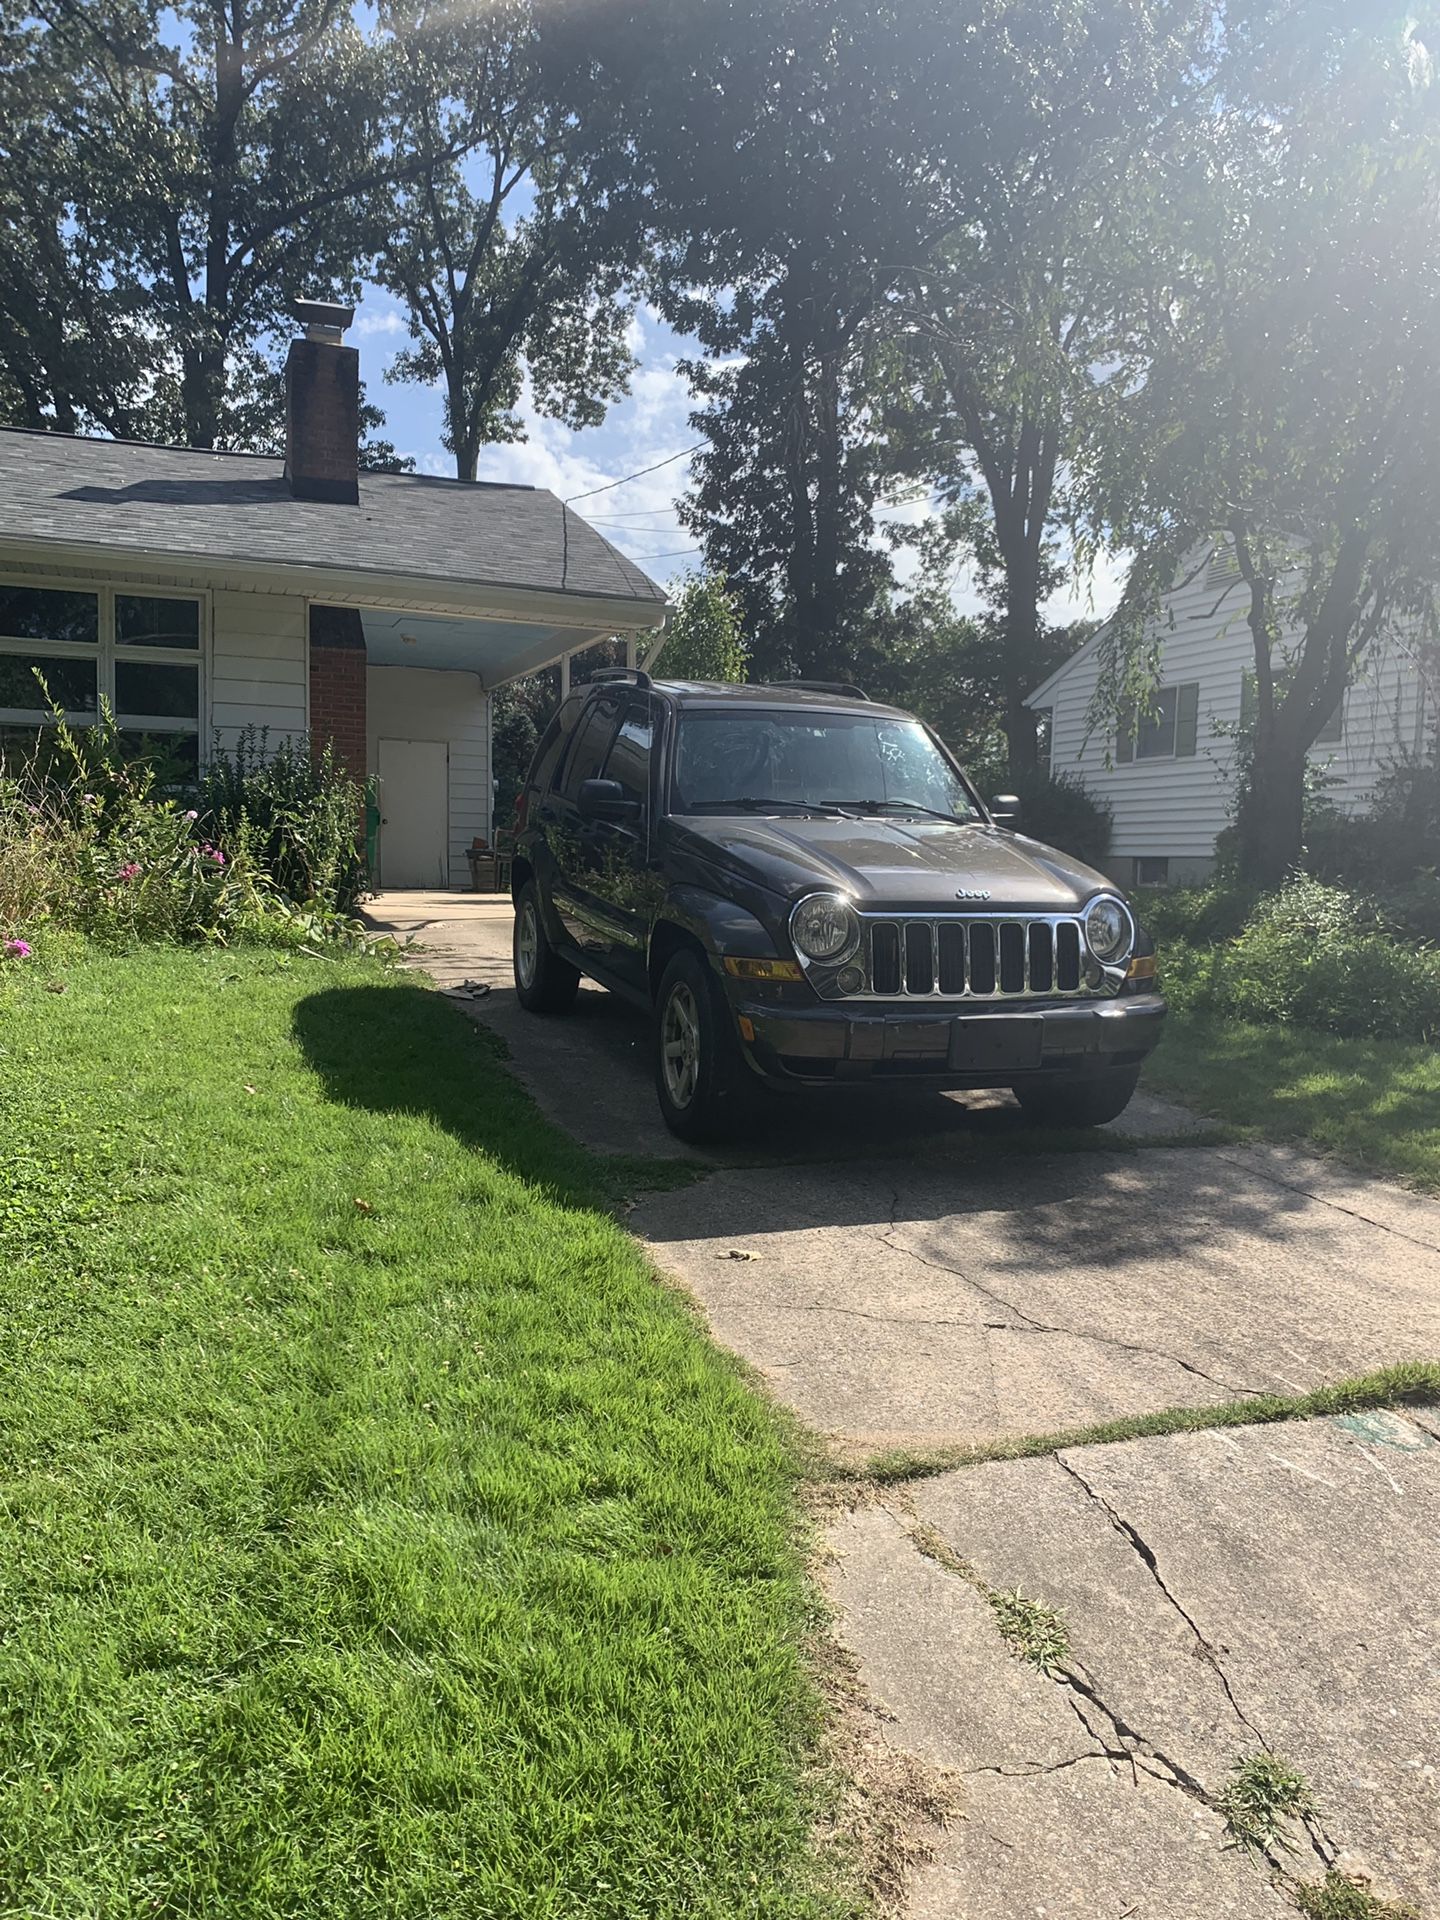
[
  {"x": 1270, "y": 819},
  {"x": 1022, "y": 655}
]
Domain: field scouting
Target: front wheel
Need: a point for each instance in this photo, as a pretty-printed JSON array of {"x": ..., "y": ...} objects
[
  {"x": 1082, "y": 1100},
  {"x": 700, "y": 1076},
  {"x": 544, "y": 983}
]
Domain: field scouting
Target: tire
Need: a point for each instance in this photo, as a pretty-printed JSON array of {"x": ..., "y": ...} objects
[
  {"x": 700, "y": 1089},
  {"x": 1088, "y": 1100},
  {"x": 544, "y": 983}
]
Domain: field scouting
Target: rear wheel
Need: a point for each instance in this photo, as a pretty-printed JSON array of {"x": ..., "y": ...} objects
[
  {"x": 700, "y": 1076},
  {"x": 544, "y": 983},
  {"x": 1088, "y": 1100}
]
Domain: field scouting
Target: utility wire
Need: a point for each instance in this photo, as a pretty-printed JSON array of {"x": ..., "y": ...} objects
[{"x": 610, "y": 485}]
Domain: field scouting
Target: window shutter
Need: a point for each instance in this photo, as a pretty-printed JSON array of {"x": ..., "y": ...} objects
[
  {"x": 1187, "y": 719},
  {"x": 1125, "y": 742}
]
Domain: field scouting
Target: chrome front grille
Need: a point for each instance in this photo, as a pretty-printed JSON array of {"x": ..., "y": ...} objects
[{"x": 973, "y": 957}]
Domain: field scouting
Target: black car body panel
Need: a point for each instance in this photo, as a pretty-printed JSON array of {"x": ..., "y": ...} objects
[{"x": 619, "y": 895}]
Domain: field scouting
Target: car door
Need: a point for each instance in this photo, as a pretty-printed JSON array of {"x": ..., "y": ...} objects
[
  {"x": 569, "y": 841},
  {"x": 619, "y": 863}
]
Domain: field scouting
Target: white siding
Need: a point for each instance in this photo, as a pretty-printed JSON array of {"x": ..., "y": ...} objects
[
  {"x": 414, "y": 703},
  {"x": 1176, "y": 807},
  {"x": 260, "y": 667}
]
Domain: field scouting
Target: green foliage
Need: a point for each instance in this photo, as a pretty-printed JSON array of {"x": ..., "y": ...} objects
[
  {"x": 1199, "y": 916},
  {"x": 702, "y": 634},
  {"x": 89, "y": 844},
  {"x": 1391, "y": 846},
  {"x": 1340, "y": 1897},
  {"x": 1261, "y": 1795},
  {"x": 380, "y": 1538},
  {"x": 1035, "y": 1632},
  {"x": 298, "y": 817},
  {"x": 1310, "y": 954},
  {"x": 1059, "y": 811},
  {"x": 508, "y": 240}
]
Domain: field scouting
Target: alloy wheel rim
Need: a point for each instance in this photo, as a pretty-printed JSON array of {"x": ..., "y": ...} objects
[
  {"x": 527, "y": 944},
  {"x": 680, "y": 1045}
]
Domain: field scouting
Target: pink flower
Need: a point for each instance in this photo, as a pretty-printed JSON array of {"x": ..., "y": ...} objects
[
  {"x": 17, "y": 949},
  {"x": 207, "y": 852},
  {"x": 130, "y": 871},
  {"x": 192, "y": 814}
]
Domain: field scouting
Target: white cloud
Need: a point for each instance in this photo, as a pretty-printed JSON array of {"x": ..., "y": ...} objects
[{"x": 373, "y": 321}]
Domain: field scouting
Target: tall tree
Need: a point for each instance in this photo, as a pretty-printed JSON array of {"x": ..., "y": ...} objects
[
  {"x": 512, "y": 239},
  {"x": 1009, "y": 313},
  {"x": 206, "y": 164},
  {"x": 1288, "y": 394}
]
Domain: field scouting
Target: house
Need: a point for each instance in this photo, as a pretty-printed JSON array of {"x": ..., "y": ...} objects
[
  {"x": 1170, "y": 781},
  {"x": 204, "y": 593}
]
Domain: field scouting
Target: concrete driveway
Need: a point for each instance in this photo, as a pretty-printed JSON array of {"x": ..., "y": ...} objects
[{"x": 920, "y": 1274}]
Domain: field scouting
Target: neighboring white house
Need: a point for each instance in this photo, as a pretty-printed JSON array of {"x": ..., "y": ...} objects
[
  {"x": 1171, "y": 785},
  {"x": 202, "y": 593}
]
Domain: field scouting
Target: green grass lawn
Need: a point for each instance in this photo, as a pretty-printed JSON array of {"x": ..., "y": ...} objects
[
  {"x": 1375, "y": 1102},
  {"x": 380, "y": 1537}
]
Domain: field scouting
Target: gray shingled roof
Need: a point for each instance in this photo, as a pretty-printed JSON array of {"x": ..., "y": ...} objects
[{"x": 132, "y": 498}]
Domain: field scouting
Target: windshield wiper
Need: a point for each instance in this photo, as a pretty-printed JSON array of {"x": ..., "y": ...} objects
[
  {"x": 749, "y": 804},
  {"x": 899, "y": 806}
]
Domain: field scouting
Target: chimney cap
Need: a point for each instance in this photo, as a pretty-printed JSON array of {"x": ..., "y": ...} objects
[{"x": 324, "y": 319}]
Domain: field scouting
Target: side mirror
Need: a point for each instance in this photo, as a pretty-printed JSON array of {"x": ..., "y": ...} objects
[
  {"x": 605, "y": 800},
  {"x": 1005, "y": 810}
]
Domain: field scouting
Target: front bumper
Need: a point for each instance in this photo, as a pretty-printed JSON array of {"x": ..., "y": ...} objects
[{"x": 956, "y": 1046}]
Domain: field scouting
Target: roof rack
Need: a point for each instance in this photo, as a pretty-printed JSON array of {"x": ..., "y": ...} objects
[
  {"x": 824, "y": 686},
  {"x": 633, "y": 676}
]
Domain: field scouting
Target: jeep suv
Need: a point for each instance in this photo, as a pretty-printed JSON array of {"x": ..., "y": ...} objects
[{"x": 804, "y": 889}]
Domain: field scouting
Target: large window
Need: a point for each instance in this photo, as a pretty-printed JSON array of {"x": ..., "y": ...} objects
[{"x": 139, "y": 653}]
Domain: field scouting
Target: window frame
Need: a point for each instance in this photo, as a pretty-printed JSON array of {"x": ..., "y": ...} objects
[
  {"x": 1134, "y": 758},
  {"x": 105, "y": 651}
]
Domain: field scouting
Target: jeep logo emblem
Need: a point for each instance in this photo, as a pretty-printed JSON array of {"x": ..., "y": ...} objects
[{"x": 972, "y": 893}]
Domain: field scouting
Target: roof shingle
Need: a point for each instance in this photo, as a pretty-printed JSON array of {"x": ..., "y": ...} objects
[{"x": 129, "y": 497}]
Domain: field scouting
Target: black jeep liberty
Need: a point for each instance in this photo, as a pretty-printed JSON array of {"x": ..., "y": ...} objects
[{"x": 806, "y": 890}]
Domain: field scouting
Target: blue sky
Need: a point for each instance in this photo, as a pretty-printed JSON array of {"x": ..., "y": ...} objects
[{"x": 650, "y": 425}]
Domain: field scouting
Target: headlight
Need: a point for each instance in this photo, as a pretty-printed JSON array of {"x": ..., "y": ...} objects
[
  {"x": 1109, "y": 930},
  {"x": 825, "y": 927}
]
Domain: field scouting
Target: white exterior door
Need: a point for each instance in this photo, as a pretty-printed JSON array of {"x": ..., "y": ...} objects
[{"x": 414, "y": 813}]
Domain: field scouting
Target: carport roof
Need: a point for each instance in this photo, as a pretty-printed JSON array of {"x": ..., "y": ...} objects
[{"x": 459, "y": 543}]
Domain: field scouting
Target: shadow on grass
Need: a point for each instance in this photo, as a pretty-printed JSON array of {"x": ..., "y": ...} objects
[{"x": 402, "y": 1049}]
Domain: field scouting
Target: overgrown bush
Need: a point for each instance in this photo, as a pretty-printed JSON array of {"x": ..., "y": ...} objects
[
  {"x": 1059, "y": 811},
  {"x": 300, "y": 818},
  {"x": 88, "y": 844},
  {"x": 1390, "y": 846},
  {"x": 1200, "y": 915},
  {"x": 1316, "y": 956}
]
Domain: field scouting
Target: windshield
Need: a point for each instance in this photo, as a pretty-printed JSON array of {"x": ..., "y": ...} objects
[{"x": 740, "y": 758}]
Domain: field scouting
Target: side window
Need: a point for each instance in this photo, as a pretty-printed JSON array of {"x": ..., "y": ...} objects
[
  {"x": 591, "y": 744},
  {"x": 552, "y": 744},
  {"x": 629, "y": 761}
]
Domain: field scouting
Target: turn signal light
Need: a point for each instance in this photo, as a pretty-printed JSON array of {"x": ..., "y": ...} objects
[
  {"x": 740, "y": 968},
  {"x": 1142, "y": 967}
]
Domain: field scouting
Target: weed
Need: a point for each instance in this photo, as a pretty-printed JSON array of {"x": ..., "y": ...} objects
[
  {"x": 1338, "y": 1897},
  {"x": 1037, "y": 1633},
  {"x": 1262, "y": 1792}
]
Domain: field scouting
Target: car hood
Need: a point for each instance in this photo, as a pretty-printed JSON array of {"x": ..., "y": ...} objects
[{"x": 896, "y": 862}]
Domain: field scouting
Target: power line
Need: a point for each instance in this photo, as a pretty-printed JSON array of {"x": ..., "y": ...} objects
[
  {"x": 610, "y": 485},
  {"x": 673, "y": 554}
]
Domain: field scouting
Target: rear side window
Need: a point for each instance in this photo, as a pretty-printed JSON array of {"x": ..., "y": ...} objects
[
  {"x": 629, "y": 761},
  {"x": 591, "y": 744},
  {"x": 553, "y": 742}
]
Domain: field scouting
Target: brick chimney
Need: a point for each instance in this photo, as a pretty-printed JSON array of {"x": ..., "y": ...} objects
[{"x": 322, "y": 407}]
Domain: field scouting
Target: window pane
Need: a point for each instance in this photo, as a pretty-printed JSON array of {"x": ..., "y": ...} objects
[
  {"x": 174, "y": 758},
  {"x": 71, "y": 683},
  {"x": 46, "y": 613},
  {"x": 629, "y": 761},
  {"x": 171, "y": 691},
  {"x": 144, "y": 621},
  {"x": 1156, "y": 738},
  {"x": 587, "y": 756}
]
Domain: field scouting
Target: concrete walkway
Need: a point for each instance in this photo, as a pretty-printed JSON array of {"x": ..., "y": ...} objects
[{"x": 914, "y": 1274}]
